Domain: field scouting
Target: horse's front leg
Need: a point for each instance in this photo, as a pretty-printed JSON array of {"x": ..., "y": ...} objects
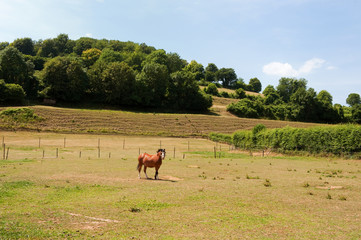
[{"x": 156, "y": 173}]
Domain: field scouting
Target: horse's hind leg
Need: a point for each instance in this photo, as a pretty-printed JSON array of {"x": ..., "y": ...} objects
[
  {"x": 139, "y": 169},
  {"x": 145, "y": 172}
]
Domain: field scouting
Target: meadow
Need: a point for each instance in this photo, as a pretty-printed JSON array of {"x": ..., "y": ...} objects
[{"x": 86, "y": 186}]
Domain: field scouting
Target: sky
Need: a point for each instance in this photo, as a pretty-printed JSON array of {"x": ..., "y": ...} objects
[{"x": 318, "y": 40}]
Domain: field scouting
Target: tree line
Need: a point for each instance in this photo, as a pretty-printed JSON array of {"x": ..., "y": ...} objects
[
  {"x": 105, "y": 71},
  {"x": 131, "y": 74},
  {"x": 292, "y": 100}
]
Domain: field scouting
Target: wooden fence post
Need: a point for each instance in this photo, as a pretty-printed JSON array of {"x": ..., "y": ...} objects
[
  {"x": 3, "y": 151},
  {"x": 7, "y": 154}
]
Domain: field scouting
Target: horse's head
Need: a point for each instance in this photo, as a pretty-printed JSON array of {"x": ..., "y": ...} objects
[{"x": 161, "y": 152}]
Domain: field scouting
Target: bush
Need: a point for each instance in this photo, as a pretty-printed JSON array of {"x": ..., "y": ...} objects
[
  {"x": 19, "y": 115},
  {"x": 11, "y": 93},
  {"x": 212, "y": 89},
  {"x": 345, "y": 139},
  {"x": 219, "y": 137}
]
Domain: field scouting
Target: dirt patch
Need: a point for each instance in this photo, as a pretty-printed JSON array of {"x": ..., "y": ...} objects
[
  {"x": 171, "y": 178},
  {"x": 193, "y": 166},
  {"x": 329, "y": 187}
]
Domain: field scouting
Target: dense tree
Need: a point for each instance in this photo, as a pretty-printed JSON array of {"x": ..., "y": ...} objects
[
  {"x": 356, "y": 113},
  {"x": 48, "y": 49},
  {"x": 11, "y": 93},
  {"x": 211, "y": 73},
  {"x": 353, "y": 99},
  {"x": 197, "y": 69},
  {"x": 65, "y": 79},
  {"x": 83, "y": 44},
  {"x": 184, "y": 93},
  {"x": 13, "y": 68},
  {"x": 152, "y": 84},
  {"x": 118, "y": 80},
  {"x": 227, "y": 76},
  {"x": 90, "y": 56},
  {"x": 175, "y": 63},
  {"x": 24, "y": 45},
  {"x": 325, "y": 98},
  {"x": 288, "y": 86},
  {"x": 3, "y": 45},
  {"x": 254, "y": 85},
  {"x": 63, "y": 44}
]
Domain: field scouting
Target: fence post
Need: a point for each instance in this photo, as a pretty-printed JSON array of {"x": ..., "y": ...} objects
[
  {"x": 57, "y": 152},
  {"x": 7, "y": 153},
  {"x": 174, "y": 153},
  {"x": 39, "y": 141},
  {"x": 43, "y": 153},
  {"x": 188, "y": 146},
  {"x": 215, "y": 152},
  {"x": 3, "y": 151},
  {"x": 64, "y": 141},
  {"x": 80, "y": 154}
]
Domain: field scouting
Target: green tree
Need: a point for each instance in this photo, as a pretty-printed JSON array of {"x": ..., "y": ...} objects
[
  {"x": 254, "y": 85},
  {"x": 24, "y": 45},
  {"x": 325, "y": 98},
  {"x": 11, "y": 93},
  {"x": 184, "y": 93},
  {"x": 152, "y": 84},
  {"x": 288, "y": 86},
  {"x": 211, "y": 73},
  {"x": 63, "y": 44},
  {"x": 356, "y": 113},
  {"x": 197, "y": 69},
  {"x": 108, "y": 55},
  {"x": 83, "y": 44},
  {"x": 3, "y": 45},
  {"x": 13, "y": 68},
  {"x": 175, "y": 63},
  {"x": 212, "y": 89},
  {"x": 227, "y": 76},
  {"x": 90, "y": 56},
  {"x": 48, "y": 49},
  {"x": 65, "y": 79},
  {"x": 240, "y": 93},
  {"x": 118, "y": 80},
  {"x": 353, "y": 99}
]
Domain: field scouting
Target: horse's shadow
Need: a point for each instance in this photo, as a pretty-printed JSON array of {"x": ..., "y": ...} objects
[{"x": 162, "y": 180}]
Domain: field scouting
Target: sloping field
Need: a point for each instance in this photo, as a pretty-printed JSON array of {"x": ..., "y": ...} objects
[{"x": 135, "y": 123}]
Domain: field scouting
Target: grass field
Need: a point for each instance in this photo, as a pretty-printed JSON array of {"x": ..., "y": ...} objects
[
  {"x": 236, "y": 196},
  {"x": 71, "y": 120}
]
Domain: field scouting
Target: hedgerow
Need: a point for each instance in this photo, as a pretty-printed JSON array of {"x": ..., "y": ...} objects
[{"x": 341, "y": 139}]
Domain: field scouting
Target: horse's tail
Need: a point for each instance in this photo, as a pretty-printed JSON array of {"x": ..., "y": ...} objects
[{"x": 140, "y": 159}]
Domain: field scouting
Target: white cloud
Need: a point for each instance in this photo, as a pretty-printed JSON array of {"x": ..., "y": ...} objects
[{"x": 287, "y": 70}]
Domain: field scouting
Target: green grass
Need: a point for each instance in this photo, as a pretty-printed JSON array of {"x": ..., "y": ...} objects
[{"x": 198, "y": 197}]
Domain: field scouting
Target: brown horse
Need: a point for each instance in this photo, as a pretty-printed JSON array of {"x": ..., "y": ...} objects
[{"x": 151, "y": 161}]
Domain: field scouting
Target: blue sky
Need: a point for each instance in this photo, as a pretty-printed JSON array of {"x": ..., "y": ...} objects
[{"x": 319, "y": 40}]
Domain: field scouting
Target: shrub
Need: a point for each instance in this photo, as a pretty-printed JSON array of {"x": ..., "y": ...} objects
[{"x": 19, "y": 115}]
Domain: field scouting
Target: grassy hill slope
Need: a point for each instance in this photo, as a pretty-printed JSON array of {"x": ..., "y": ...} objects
[{"x": 57, "y": 119}]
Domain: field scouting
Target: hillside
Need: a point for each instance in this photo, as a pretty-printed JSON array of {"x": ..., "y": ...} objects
[{"x": 137, "y": 123}]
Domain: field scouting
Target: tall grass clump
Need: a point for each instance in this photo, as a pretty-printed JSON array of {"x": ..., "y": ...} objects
[
  {"x": 341, "y": 139},
  {"x": 20, "y": 115}
]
